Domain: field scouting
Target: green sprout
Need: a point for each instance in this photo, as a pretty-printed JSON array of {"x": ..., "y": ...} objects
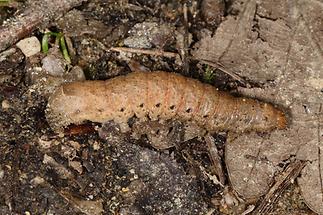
[
  {"x": 44, "y": 43},
  {"x": 4, "y": 3},
  {"x": 208, "y": 74},
  {"x": 60, "y": 40}
]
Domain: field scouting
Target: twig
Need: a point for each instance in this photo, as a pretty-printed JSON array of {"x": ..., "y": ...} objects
[
  {"x": 175, "y": 55},
  {"x": 215, "y": 158},
  {"x": 38, "y": 14},
  {"x": 184, "y": 52},
  {"x": 248, "y": 210},
  {"x": 319, "y": 151},
  {"x": 285, "y": 179},
  {"x": 145, "y": 51}
]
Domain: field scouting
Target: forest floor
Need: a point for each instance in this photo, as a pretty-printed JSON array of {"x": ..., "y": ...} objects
[{"x": 267, "y": 50}]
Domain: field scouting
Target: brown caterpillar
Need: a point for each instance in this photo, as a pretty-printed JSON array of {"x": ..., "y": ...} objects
[{"x": 160, "y": 95}]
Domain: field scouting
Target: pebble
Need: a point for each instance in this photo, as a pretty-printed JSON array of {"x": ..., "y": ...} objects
[
  {"x": 1, "y": 173},
  {"x": 5, "y": 104},
  {"x": 29, "y": 46}
]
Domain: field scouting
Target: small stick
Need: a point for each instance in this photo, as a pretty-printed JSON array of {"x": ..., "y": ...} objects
[
  {"x": 175, "y": 55},
  {"x": 215, "y": 158},
  {"x": 184, "y": 52},
  {"x": 286, "y": 178},
  {"x": 248, "y": 210},
  {"x": 320, "y": 151},
  {"x": 145, "y": 51},
  {"x": 38, "y": 14}
]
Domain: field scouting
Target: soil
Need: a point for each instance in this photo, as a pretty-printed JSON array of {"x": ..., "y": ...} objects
[{"x": 258, "y": 49}]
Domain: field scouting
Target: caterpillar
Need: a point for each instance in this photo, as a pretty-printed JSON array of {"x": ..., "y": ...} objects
[{"x": 159, "y": 96}]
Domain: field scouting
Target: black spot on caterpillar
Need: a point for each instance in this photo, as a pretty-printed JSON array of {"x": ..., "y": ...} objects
[{"x": 160, "y": 95}]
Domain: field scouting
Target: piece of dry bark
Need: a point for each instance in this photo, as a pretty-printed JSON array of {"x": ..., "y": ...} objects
[
  {"x": 238, "y": 45},
  {"x": 37, "y": 14},
  {"x": 278, "y": 45},
  {"x": 252, "y": 160}
]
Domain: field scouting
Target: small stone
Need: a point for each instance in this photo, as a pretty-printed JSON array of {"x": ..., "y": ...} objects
[
  {"x": 77, "y": 166},
  {"x": 149, "y": 34},
  {"x": 76, "y": 74},
  {"x": 96, "y": 146},
  {"x": 54, "y": 64},
  {"x": 125, "y": 189},
  {"x": 46, "y": 144},
  {"x": 1, "y": 173},
  {"x": 37, "y": 180},
  {"x": 5, "y": 104},
  {"x": 5, "y": 78},
  {"x": 29, "y": 46},
  {"x": 75, "y": 145}
]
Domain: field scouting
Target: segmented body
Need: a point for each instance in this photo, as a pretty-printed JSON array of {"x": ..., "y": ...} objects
[{"x": 160, "y": 95}]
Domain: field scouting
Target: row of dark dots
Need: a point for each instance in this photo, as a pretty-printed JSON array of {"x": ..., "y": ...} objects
[{"x": 158, "y": 105}]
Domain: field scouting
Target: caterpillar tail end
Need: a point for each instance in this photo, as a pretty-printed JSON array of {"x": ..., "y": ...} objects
[{"x": 274, "y": 117}]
